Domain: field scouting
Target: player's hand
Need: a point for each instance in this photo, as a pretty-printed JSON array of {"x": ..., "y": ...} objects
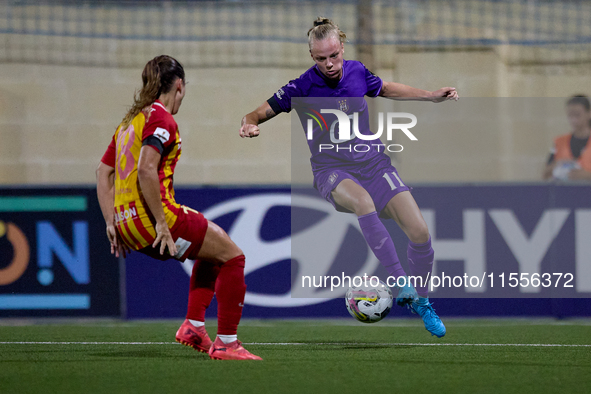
[
  {"x": 249, "y": 130},
  {"x": 444, "y": 94},
  {"x": 164, "y": 238},
  {"x": 118, "y": 247}
]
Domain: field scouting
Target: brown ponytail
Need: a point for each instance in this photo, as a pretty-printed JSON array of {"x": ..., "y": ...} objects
[
  {"x": 323, "y": 28},
  {"x": 158, "y": 77}
]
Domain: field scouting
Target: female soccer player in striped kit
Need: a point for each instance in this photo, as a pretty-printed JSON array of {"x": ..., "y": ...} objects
[
  {"x": 135, "y": 191},
  {"x": 364, "y": 183}
]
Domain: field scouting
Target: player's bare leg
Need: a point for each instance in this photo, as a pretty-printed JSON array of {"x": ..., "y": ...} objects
[
  {"x": 352, "y": 196},
  {"x": 355, "y": 198},
  {"x": 405, "y": 211},
  {"x": 230, "y": 289}
]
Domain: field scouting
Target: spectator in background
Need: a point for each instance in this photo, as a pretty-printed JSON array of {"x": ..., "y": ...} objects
[{"x": 570, "y": 157}]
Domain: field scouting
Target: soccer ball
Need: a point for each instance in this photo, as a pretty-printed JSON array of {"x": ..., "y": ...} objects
[{"x": 369, "y": 304}]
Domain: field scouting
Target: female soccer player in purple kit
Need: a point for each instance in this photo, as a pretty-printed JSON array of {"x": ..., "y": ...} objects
[{"x": 364, "y": 183}]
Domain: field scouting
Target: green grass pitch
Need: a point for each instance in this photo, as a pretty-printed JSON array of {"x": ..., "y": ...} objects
[{"x": 300, "y": 356}]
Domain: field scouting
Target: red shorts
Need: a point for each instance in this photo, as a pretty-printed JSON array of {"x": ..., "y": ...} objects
[{"x": 188, "y": 233}]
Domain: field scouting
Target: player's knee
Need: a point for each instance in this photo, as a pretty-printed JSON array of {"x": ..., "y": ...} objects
[
  {"x": 419, "y": 234},
  {"x": 364, "y": 205},
  {"x": 237, "y": 261}
]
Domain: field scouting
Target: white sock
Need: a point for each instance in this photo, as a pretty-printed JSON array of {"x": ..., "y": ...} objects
[
  {"x": 197, "y": 323},
  {"x": 228, "y": 338}
]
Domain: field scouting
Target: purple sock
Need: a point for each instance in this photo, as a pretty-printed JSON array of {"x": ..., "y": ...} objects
[
  {"x": 381, "y": 243},
  {"x": 420, "y": 263}
]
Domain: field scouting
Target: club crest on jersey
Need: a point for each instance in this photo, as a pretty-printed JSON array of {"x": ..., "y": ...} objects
[{"x": 343, "y": 105}]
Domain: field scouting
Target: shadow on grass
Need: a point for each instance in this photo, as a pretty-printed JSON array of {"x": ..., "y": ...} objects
[
  {"x": 150, "y": 353},
  {"x": 80, "y": 355}
]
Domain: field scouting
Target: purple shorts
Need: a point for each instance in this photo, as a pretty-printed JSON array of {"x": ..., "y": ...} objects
[{"x": 378, "y": 177}]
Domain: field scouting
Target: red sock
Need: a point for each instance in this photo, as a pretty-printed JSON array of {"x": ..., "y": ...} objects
[
  {"x": 202, "y": 287},
  {"x": 230, "y": 290}
]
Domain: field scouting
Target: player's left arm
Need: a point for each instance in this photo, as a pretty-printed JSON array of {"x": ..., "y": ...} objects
[
  {"x": 105, "y": 189},
  {"x": 399, "y": 91}
]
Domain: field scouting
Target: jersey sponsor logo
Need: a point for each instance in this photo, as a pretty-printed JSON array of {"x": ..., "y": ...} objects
[
  {"x": 127, "y": 214},
  {"x": 162, "y": 134},
  {"x": 310, "y": 247}
]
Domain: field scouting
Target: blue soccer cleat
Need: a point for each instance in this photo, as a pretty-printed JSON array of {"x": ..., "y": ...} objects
[
  {"x": 406, "y": 294},
  {"x": 433, "y": 323}
]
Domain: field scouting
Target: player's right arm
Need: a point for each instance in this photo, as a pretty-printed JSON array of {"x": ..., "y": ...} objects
[
  {"x": 278, "y": 103},
  {"x": 147, "y": 171},
  {"x": 249, "y": 126},
  {"x": 105, "y": 189}
]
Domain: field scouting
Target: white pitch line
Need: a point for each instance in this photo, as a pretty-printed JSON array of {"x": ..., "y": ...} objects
[
  {"x": 311, "y": 344},
  {"x": 88, "y": 343},
  {"x": 417, "y": 344}
]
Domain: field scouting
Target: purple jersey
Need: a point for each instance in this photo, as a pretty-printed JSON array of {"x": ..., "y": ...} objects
[{"x": 311, "y": 92}]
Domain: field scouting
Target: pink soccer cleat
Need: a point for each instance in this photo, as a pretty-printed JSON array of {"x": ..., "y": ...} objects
[
  {"x": 195, "y": 337},
  {"x": 230, "y": 351}
]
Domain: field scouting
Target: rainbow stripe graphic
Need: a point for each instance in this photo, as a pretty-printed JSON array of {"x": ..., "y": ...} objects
[{"x": 315, "y": 115}]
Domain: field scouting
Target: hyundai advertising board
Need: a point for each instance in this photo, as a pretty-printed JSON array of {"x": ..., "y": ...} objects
[{"x": 497, "y": 234}]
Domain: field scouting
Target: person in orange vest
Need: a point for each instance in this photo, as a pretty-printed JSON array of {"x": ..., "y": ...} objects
[{"x": 570, "y": 157}]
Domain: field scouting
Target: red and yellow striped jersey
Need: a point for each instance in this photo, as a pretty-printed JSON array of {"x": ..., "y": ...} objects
[{"x": 133, "y": 217}]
